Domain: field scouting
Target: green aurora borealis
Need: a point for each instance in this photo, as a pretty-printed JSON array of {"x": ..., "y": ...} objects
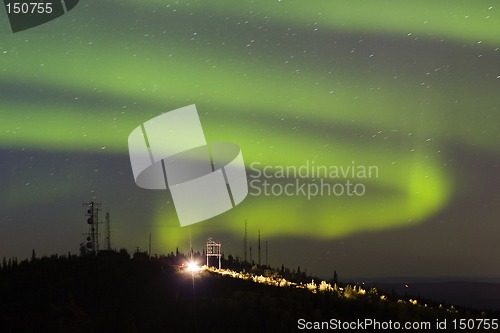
[{"x": 413, "y": 90}]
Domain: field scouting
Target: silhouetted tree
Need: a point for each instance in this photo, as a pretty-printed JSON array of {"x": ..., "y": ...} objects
[
  {"x": 335, "y": 277},
  {"x": 33, "y": 255},
  {"x": 124, "y": 253}
]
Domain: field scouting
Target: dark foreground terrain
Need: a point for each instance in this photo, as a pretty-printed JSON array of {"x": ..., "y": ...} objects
[
  {"x": 113, "y": 293},
  {"x": 480, "y": 295}
]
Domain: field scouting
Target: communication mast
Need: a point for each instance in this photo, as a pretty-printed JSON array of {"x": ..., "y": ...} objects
[
  {"x": 266, "y": 253},
  {"x": 213, "y": 250},
  {"x": 245, "y": 242},
  {"x": 149, "y": 248},
  {"x": 259, "y": 247},
  {"x": 108, "y": 231},
  {"x": 92, "y": 214}
]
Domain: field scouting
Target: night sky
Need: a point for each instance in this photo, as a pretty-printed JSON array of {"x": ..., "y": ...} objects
[{"x": 411, "y": 88}]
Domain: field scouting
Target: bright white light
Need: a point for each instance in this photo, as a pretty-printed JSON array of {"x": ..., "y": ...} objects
[{"x": 193, "y": 266}]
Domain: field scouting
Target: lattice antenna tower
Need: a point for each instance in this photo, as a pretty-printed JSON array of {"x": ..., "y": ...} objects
[{"x": 92, "y": 214}]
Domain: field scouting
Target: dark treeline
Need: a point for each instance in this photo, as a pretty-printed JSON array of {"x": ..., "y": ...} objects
[{"x": 112, "y": 292}]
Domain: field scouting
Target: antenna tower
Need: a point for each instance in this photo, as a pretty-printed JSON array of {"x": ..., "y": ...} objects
[
  {"x": 108, "y": 231},
  {"x": 259, "y": 247},
  {"x": 245, "y": 242},
  {"x": 149, "y": 252},
  {"x": 266, "y": 252},
  {"x": 92, "y": 214}
]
